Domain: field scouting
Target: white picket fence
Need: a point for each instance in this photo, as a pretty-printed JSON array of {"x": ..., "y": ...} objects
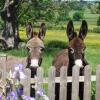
[{"x": 39, "y": 80}]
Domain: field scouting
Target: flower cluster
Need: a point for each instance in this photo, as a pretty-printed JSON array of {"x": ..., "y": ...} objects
[{"x": 13, "y": 89}]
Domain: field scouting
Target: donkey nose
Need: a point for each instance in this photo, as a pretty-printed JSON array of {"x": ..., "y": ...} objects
[
  {"x": 79, "y": 63},
  {"x": 34, "y": 63}
]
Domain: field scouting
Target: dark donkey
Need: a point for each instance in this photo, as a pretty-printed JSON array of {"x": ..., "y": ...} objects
[
  {"x": 35, "y": 47},
  {"x": 74, "y": 55}
]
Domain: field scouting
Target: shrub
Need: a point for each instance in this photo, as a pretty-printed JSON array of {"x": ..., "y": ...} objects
[
  {"x": 77, "y": 5},
  {"x": 96, "y": 30},
  {"x": 63, "y": 12},
  {"x": 78, "y": 16},
  {"x": 50, "y": 16},
  {"x": 98, "y": 21}
]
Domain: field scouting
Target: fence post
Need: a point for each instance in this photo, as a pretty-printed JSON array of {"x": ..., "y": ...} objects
[
  {"x": 27, "y": 82},
  {"x": 75, "y": 83},
  {"x": 51, "y": 83},
  {"x": 39, "y": 81},
  {"x": 3, "y": 63},
  {"x": 63, "y": 83},
  {"x": 98, "y": 83},
  {"x": 87, "y": 83}
]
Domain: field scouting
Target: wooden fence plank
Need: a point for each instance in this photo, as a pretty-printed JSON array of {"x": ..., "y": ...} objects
[
  {"x": 51, "y": 83},
  {"x": 75, "y": 83},
  {"x": 87, "y": 83},
  {"x": 26, "y": 82},
  {"x": 98, "y": 83},
  {"x": 3, "y": 58},
  {"x": 39, "y": 83},
  {"x": 63, "y": 84}
]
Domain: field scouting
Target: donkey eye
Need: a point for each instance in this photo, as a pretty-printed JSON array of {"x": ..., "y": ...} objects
[
  {"x": 83, "y": 50},
  {"x": 72, "y": 50},
  {"x": 29, "y": 49},
  {"x": 41, "y": 49}
]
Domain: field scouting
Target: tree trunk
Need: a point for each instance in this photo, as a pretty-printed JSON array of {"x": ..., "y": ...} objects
[{"x": 9, "y": 15}]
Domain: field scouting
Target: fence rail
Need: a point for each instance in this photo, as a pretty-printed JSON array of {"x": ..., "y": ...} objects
[{"x": 39, "y": 80}]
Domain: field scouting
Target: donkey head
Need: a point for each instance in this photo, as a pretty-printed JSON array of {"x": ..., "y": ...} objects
[
  {"x": 35, "y": 48},
  {"x": 76, "y": 46}
]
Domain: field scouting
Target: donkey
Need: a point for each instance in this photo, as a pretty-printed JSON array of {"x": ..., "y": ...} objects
[
  {"x": 73, "y": 55},
  {"x": 35, "y": 48}
]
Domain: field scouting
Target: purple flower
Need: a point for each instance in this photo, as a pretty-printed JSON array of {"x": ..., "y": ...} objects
[
  {"x": 19, "y": 68},
  {"x": 12, "y": 96},
  {"x": 40, "y": 92},
  {"x": 27, "y": 98},
  {"x": 19, "y": 91}
]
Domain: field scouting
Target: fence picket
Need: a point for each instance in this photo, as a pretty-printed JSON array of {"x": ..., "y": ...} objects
[
  {"x": 3, "y": 58},
  {"x": 87, "y": 83},
  {"x": 39, "y": 82},
  {"x": 98, "y": 83},
  {"x": 51, "y": 83},
  {"x": 75, "y": 83},
  {"x": 63, "y": 84},
  {"x": 26, "y": 82}
]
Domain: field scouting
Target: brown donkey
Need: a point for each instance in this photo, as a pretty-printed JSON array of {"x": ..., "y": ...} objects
[
  {"x": 35, "y": 47},
  {"x": 74, "y": 55}
]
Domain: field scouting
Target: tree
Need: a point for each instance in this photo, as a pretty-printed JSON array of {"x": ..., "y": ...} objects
[
  {"x": 98, "y": 8},
  {"x": 9, "y": 15},
  {"x": 98, "y": 21},
  {"x": 41, "y": 9},
  {"x": 2, "y": 2},
  {"x": 95, "y": 8},
  {"x": 63, "y": 12},
  {"x": 78, "y": 15},
  {"x": 77, "y": 5}
]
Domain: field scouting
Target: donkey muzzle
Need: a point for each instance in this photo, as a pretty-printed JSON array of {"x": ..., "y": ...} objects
[
  {"x": 79, "y": 63},
  {"x": 34, "y": 63}
]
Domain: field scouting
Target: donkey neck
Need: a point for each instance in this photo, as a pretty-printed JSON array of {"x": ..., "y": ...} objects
[{"x": 71, "y": 60}]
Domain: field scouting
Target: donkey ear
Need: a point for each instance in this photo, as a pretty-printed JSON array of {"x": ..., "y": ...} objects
[
  {"x": 42, "y": 31},
  {"x": 83, "y": 30},
  {"x": 70, "y": 30}
]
